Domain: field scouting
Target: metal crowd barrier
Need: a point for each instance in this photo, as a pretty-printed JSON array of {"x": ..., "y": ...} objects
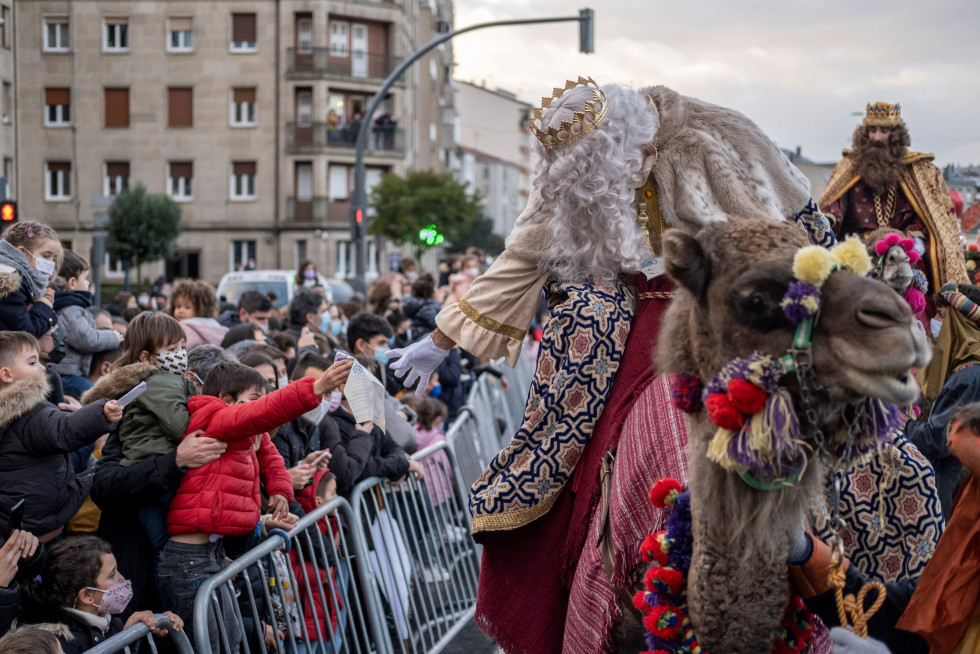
[
  {"x": 121, "y": 642},
  {"x": 425, "y": 564},
  {"x": 312, "y": 586},
  {"x": 392, "y": 571}
]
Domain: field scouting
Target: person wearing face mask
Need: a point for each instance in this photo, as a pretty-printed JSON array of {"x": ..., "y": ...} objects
[
  {"x": 30, "y": 253},
  {"x": 306, "y": 274},
  {"x": 460, "y": 283},
  {"x": 221, "y": 499},
  {"x": 72, "y": 299},
  {"x": 81, "y": 588}
]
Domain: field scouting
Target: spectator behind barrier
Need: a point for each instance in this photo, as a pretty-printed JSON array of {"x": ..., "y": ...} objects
[
  {"x": 82, "y": 588},
  {"x": 83, "y": 338},
  {"x": 194, "y": 304},
  {"x": 30, "y": 640},
  {"x": 422, "y": 307},
  {"x": 21, "y": 557},
  {"x": 35, "y": 436},
  {"x": 30, "y": 254}
]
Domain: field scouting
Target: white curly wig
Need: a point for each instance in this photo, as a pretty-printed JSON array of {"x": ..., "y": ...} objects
[{"x": 591, "y": 184}]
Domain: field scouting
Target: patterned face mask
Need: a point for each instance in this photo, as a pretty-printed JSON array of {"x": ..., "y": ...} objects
[{"x": 175, "y": 362}]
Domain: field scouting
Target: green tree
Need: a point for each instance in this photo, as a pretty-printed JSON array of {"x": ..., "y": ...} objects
[
  {"x": 423, "y": 200},
  {"x": 142, "y": 227},
  {"x": 481, "y": 235}
]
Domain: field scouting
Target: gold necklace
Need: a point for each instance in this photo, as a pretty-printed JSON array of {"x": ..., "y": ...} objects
[{"x": 885, "y": 218}]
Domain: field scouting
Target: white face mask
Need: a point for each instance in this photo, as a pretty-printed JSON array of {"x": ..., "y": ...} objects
[
  {"x": 43, "y": 270},
  {"x": 935, "y": 326},
  {"x": 282, "y": 381},
  {"x": 316, "y": 415},
  {"x": 336, "y": 397}
]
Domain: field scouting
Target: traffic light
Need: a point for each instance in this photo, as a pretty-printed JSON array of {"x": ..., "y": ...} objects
[
  {"x": 586, "y": 33},
  {"x": 431, "y": 236},
  {"x": 8, "y": 213}
]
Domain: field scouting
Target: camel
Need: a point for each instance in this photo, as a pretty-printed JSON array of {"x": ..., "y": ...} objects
[
  {"x": 732, "y": 277},
  {"x": 894, "y": 256}
]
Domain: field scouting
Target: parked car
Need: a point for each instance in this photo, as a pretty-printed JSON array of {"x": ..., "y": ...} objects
[{"x": 280, "y": 282}]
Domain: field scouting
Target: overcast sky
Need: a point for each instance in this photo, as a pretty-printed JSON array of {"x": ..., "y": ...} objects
[{"x": 799, "y": 68}]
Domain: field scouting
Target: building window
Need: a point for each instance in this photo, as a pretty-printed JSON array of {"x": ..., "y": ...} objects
[
  {"x": 243, "y": 33},
  {"x": 243, "y": 107},
  {"x": 7, "y": 98},
  {"x": 180, "y": 107},
  {"x": 180, "y": 35},
  {"x": 243, "y": 180},
  {"x": 116, "y": 107},
  {"x": 56, "y": 34},
  {"x": 304, "y": 33},
  {"x": 57, "y": 180},
  {"x": 57, "y": 107},
  {"x": 339, "y": 38},
  {"x": 180, "y": 181},
  {"x": 304, "y": 106},
  {"x": 338, "y": 183},
  {"x": 344, "y": 259},
  {"x": 116, "y": 178},
  {"x": 5, "y": 27},
  {"x": 300, "y": 254},
  {"x": 115, "y": 35},
  {"x": 242, "y": 254}
]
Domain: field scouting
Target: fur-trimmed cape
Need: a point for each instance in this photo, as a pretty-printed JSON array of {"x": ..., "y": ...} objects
[{"x": 712, "y": 163}]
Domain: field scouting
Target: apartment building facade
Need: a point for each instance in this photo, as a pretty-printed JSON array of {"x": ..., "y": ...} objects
[
  {"x": 493, "y": 151},
  {"x": 244, "y": 112}
]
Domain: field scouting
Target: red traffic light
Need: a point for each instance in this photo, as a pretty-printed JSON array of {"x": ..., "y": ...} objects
[
  {"x": 8, "y": 212},
  {"x": 359, "y": 216}
]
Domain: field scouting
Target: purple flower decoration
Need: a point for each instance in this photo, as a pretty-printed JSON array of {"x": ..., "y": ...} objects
[{"x": 801, "y": 302}]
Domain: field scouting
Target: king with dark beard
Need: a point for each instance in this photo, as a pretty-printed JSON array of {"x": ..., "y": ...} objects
[{"x": 879, "y": 183}]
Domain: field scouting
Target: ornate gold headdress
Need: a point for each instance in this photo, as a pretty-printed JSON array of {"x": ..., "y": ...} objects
[
  {"x": 582, "y": 122},
  {"x": 883, "y": 114}
]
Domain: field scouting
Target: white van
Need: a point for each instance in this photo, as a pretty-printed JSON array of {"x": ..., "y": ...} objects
[{"x": 280, "y": 282}]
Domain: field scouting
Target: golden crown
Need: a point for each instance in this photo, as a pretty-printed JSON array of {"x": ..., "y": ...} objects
[
  {"x": 581, "y": 123},
  {"x": 883, "y": 114}
]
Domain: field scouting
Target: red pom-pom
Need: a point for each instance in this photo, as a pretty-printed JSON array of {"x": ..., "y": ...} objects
[
  {"x": 664, "y": 492},
  {"x": 914, "y": 257},
  {"x": 973, "y": 247},
  {"x": 663, "y": 621},
  {"x": 746, "y": 396},
  {"x": 664, "y": 581},
  {"x": 655, "y": 548},
  {"x": 722, "y": 413}
]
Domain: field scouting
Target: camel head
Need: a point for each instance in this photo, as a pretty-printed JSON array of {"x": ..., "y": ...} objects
[
  {"x": 783, "y": 351},
  {"x": 894, "y": 257}
]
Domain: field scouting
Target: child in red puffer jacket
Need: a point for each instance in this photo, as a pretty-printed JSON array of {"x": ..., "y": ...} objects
[{"x": 222, "y": 498}]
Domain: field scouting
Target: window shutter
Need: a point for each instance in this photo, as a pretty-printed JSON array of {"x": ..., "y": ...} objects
[
  {"x": 243, "y": 168},
  {"x": 57, "y": 96},
  {"x": 243, "y": 28},
  {"x": 117, "y": 107},
  {"x": 180, "y": 24},
  {"x": 180, "y": 107},
  {"x": 117, "y": 20},
  {"x": 115, "y": 169},
  {"x": 181, "y": 169},
  {"x": 240, "y": 94},
  {"x": 59, "y": 166}
]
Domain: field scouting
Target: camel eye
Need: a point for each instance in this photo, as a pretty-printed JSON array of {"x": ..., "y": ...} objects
[{"x": 754, "y": 303}]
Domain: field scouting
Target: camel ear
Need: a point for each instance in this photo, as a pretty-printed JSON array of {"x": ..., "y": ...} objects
[{"x": 686, "y": 262}]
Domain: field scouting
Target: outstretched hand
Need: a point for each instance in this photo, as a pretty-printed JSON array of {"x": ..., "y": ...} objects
[
  {"x": 113, "y": 412},
  {"x": 333, "y": 377}
]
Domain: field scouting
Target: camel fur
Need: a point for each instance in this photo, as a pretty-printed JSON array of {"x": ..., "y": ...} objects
[{"x": 733, "y": 276}]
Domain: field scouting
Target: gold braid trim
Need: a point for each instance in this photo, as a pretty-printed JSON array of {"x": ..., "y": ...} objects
[
  {"x": 488, "y": 323},
  {"x": 926, "y": 191},
  {"x": 509, "y": 520},
  {"x": 656, "y": 295}
]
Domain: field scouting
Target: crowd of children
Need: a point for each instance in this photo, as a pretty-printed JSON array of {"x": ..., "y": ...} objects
[{"x": 143, "y": 444}]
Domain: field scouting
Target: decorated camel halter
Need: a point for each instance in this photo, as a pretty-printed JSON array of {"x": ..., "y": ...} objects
[
  {"x": 915, "y": 293},
  {"x": 759, "y": 433}
]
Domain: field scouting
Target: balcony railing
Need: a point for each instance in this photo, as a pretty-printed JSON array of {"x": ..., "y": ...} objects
[
  {"x": 323, "y": 62},
  {"x": 314, "y": 137},
  {"x": 318, "y": 210}
]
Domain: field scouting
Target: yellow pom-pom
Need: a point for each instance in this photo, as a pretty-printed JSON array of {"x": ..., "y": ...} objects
[
  {"x": 813, "y": 264},
  {"x": 853, "y": 255},
  {"x": 971, "y": 265}
]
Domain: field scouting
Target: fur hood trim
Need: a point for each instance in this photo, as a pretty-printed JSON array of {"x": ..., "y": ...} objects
[
  {"x": 9, "y": 281},
  {"x": 20, "y": 397},
  {"x": 119, "y": 382}
]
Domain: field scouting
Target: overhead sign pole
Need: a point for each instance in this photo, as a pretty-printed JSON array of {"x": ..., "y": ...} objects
[{"x": 586, "y": 20}]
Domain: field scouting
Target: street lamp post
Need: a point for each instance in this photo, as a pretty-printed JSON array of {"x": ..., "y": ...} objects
[{"x": 586, "y": 20}]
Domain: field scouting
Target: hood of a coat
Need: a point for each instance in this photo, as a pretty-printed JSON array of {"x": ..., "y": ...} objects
[
  {"x": 9, "y": 281},
  {"x": 119, "y": 382},
  {"x": 21, "y": 396}
]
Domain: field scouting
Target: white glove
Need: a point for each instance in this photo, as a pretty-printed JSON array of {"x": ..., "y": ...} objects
[
  {"x": 417, "y": 362},
  {"x": 846, "y": 642}
]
